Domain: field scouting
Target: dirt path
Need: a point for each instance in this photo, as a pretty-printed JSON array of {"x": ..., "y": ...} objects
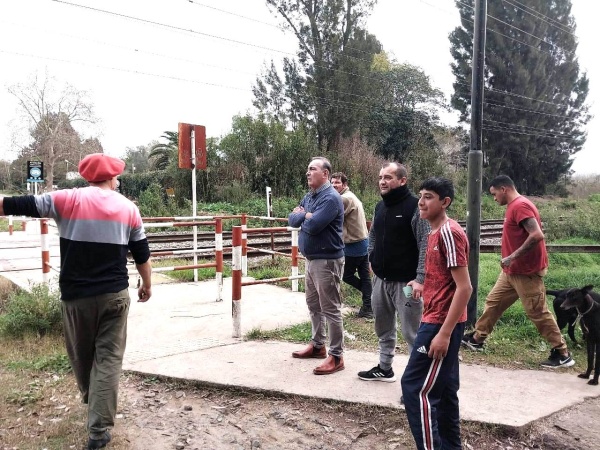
[{"x": 169, "y": 415}]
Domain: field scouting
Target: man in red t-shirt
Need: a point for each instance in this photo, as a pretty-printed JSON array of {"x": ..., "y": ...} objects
[
  {"x": 431, "y": 379},
  {"x": 524, "y": 263}
]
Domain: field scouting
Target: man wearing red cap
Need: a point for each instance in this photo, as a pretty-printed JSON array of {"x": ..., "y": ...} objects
[{"x": 97, "y": 227}]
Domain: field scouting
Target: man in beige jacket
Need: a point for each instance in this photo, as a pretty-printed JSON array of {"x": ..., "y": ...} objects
[{"x": 356, "y": 242}]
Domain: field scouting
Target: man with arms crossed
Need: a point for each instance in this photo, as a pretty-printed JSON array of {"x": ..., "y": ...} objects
[{"x": 320, "y": 216}]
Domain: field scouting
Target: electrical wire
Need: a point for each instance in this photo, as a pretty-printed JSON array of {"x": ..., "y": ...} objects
[
  {"x": 528, "y": 128},
  {"x": 559, "y": 27},
  {"x": 233, "y": 14},
  {"x": 540, "y": 15}
]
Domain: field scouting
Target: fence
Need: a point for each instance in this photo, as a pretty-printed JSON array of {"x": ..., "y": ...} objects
[{"x": 237, "y": 243}]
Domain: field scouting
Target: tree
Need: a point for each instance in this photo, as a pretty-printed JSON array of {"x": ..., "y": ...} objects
[
  {"x": 164, "y": 154},
  {"x": 50, "y": 115},
  {"x": 535, "y": 93},
  {"x": 328, "y": 82},
  {"x": 403, "y": 110},
  {"x": 138, "y": 159}
]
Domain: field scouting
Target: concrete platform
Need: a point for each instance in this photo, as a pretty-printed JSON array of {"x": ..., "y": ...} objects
[{"x": 183, "y": 333}]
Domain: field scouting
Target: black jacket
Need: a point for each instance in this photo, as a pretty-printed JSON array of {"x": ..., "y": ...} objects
[{"x": 398, "y": 238}]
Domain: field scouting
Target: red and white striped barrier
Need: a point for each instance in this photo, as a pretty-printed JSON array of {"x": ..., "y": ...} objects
[
  {"x": 244, "y": 223},
  {"x": 236, "y": 278},
  {"x": 219, "y": 257},
  {"x": 45, "y": 250},
  {"x": 236, "y": 272}
]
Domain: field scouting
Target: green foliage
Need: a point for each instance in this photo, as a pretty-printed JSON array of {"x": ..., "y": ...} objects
[
  {"x": 595, "y": 198},
  {"x": 152, "y": 202},
  {"x": 37, "y": 312},
  {"x": 317, "y": 88}
]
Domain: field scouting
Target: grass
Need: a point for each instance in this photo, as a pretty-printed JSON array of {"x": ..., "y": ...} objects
[
  {"x": 187, "y": 275},
  {"x": 39, "y": 400},
  {"x": 17, "y": 224},
  {"x": 515, "y": 343}
]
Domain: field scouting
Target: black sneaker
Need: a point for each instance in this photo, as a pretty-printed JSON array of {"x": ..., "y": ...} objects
[
  {"x": 556, "y": 360},
  {"x": 366, "y": 312},
  {"x": 378, "y": 374},
  {"x": 469, "y": 341},
  {"x": 99, "y": 443}
]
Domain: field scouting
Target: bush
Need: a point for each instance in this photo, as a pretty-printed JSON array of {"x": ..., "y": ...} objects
[{"x": 36, "y": 312}]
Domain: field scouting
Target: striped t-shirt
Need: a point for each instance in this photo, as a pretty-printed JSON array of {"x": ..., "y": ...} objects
[
  {"x": 96, "y": 227},
  {"x": 448, "y": 247}
]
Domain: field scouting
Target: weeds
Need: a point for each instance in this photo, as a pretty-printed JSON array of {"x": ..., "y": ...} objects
[{"x": 36, "y": 312}]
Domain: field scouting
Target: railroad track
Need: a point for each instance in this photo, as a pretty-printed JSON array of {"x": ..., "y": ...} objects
[{"x": 490, "y": 229}]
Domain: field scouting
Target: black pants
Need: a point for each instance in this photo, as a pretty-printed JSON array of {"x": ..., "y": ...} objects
[
  {"x": 359, "y": 264},
  {"x": 430, "y": 391}
]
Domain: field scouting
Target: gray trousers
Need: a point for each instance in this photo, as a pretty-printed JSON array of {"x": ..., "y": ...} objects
[
  {"x": 388, "y": 300},
  {"x": 322, "y": 287},
  {"x": 95, "y": 334}
]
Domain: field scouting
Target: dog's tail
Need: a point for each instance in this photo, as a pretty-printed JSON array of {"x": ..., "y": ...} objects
[{"x": 552, "y": 292}]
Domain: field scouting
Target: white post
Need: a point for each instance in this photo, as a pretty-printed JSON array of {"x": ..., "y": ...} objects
[
  {"x": 269, "y": 202},
  {"x": 194, "y": 206}
]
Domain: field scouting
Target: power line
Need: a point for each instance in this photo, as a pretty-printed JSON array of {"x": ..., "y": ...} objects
[
  {"x": 512, "y": 131},
  {"x": 528, "y": 110},
  {"x": 492, "y": 30},
  {"x": 233, "y": 14},
  {"x": 135, "y": 50},
  {"x": 174, "y": 27},
  {"x": 559, "y": 27},
  {"x": 517, "y": 28},
  {"x": 558, "y": 105},
  {"x": 540, "y": 15},
  {"x": 120, "y": 69},
  {"x": 234, "y": 41},
  {"x": 532, "y": 35},
  {"x": 541, "y": 130},
  {"x": 320, "y": 100}
]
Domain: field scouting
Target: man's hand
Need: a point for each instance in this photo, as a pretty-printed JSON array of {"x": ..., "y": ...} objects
[
  {"x": 505, "y": 262},
  {"x": 298, "y": 209},
  {"x": 144, "y": 293},
  {"x": 417, "y": 289},
  {"x": 439, "y": 346}
]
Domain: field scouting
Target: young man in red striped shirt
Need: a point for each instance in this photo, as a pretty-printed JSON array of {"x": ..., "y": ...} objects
[{"x": 431, "y": 380}]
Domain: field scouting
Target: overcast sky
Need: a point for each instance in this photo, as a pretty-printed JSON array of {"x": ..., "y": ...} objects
[{"x": 145, "y": 78}]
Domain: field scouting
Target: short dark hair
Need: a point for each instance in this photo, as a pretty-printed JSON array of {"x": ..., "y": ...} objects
[
  {"x": 401, "y": 171},
  {"x": 342, "y": 176},
  {"x": 441, "y": 186},
  {"x": 324, "y": 163},
  {"x": 502, "y": 181}
]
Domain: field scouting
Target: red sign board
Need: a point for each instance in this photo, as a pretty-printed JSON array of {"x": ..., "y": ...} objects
[{"x": 185, "y": 145}]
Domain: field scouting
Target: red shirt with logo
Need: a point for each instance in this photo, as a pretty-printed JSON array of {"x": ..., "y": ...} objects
[
  {"x": 448, "y": 247},
  {"x": 514, "y": 235}
]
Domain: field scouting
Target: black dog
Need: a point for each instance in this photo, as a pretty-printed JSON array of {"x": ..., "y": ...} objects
[
  {"x": 587, "y": 305},
  {"x": 564, "y": 317}
]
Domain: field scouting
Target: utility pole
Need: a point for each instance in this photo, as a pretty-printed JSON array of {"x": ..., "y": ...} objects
[{"x": 475, "y": 162}]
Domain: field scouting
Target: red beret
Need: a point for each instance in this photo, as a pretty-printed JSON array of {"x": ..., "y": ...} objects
[{"x": 100, "y": 167}]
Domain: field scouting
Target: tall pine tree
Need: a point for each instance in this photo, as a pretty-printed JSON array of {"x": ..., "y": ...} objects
[{"x": 535, "y": 93}]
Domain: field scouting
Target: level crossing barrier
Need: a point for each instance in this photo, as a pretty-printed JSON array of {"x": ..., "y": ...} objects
[{"x": 237, "y": 243}]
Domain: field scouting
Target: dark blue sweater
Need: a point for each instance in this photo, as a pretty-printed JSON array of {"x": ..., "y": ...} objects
[{"x": 320, "y": 236}]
